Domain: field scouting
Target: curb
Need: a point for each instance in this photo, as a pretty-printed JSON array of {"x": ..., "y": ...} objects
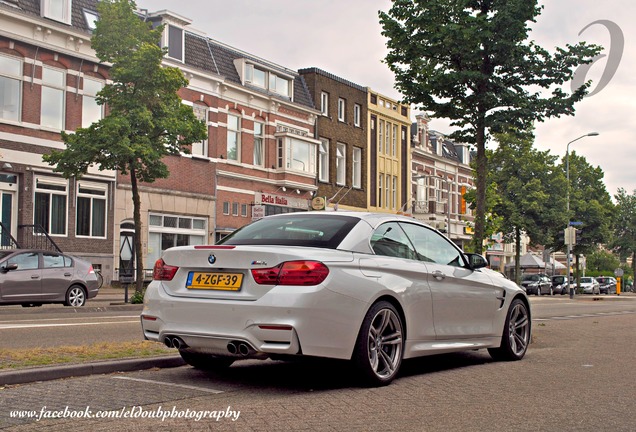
[
  {"x": 90, "y": 307},
  {"x": 24, "y": 376}
]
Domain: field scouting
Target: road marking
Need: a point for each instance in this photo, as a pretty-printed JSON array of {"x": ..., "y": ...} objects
[
  {"x": 569, "y": 317},
  {"x": 169, "y": 384},
  {"x": 25, "y": 326},
  {"x": 69, "y": 319}
]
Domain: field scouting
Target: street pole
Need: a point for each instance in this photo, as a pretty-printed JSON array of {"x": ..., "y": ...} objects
[{"x": 567, "y": 176}]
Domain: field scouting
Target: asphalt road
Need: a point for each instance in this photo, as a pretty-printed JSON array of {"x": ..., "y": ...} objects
[{"x": 576, "y": 376}]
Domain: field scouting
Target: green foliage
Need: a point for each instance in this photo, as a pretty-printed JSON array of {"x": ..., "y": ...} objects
[
  {"x": 138, "y": 297},
  {"x": 602, "y": 262},
  {"x": 624, "y": 242},
  {"x": 146, "y": 119},
  {"x": 471, "y": 62}
]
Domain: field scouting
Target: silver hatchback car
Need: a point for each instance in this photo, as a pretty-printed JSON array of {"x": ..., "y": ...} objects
[{"x": 32, "y": 277}]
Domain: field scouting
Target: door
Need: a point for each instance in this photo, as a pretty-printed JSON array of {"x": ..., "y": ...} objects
[
  {"x": 57, "y": 275},
  {"x": 464, "y": 300},
  {"x": 23, "y": 284},
  {"x": 8, "y": 208}
]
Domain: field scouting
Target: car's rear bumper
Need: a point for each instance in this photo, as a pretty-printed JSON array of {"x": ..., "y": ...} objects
[{"x": 287, "y": 320}]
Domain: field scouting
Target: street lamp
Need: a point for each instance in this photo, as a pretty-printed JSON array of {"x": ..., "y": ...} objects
[{"x": 567, "y": 176}]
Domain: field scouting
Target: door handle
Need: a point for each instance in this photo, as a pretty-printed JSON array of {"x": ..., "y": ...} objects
[
  {"x": 438, "y": 275},
  {"x": 67, "y": 274},
  {"x": 35, "y": 277}
]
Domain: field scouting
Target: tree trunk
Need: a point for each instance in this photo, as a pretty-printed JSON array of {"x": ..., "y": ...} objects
[
  {"x": 139, "y": 256},
  {"x": 481, "y": 172},
  {"x": 518, "y": 256}
]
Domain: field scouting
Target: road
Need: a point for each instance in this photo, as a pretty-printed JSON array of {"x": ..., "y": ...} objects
[{"x": 576, "y": 376}]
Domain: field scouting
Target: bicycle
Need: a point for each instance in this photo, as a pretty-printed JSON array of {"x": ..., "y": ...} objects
[{"x": 100, "y": 278}]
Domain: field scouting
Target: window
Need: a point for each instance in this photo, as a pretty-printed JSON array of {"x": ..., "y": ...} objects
[
  {"x": 394, "y": 193},
  {"x": 259, "y": 149},
  {"x": 166, "y": 231},
  {"x": 357, "y": 167},
  {"x": 255, "y": 76},
  {"x": 50, "y": 205},
  {"x": 278, "y": 84},
  {"x": 54, "y": 260},
  {"x": 91, "y": 18},
  {"x": 25, "y": 261},
  {"x": 380, "y": 135},
  {"x": 91, "y": 210},
  {"x": 235, "y": 209},
  {"x": 323, "y": 160},
  {"x": 53, "y": 89},
  {"x": 387, "y": 186},
  {"x": 380, "y": 190},
  {"x": 175, "y": 43},
  {"x": 341, "y": 109},
  {"x": 390, "y": 240},
  {"x": 341, "y": 163},
  {"x": 431, "y": 246},
  {"x": 58, "y": 10},
  {"x": 10, "y": 87},
  {"x": 91, "y": 110},
  {"x": 394, "y": 140},
  {"x": 324, "y": 103},
  {"x": 296, "y": 155},
  {"x": 357, "y": 109},
  {"x": 244, "y": 210},
  {"x": 201, "y": 113},
  {"x": 387, "y": 133},
  {"x": 226, "y": 208},
  {"x": 233, "y": 137}
]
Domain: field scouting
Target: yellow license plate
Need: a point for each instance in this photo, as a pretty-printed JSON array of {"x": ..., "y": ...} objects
[{"x": 214, "y": 281}]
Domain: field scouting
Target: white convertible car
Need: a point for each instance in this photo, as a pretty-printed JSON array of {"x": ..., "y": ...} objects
[{"x": 368, "y": 287}]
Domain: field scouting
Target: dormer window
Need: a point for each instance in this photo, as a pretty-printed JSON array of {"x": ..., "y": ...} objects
[
  {"x": 275, "y": 82},
  {"x": 175, "y": 43},
  {"x": 91, "y": 18},
  {"x": 58, "y": 10}
]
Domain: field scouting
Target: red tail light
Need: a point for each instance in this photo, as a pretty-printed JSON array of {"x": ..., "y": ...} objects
[
  {"x": 305, "y": 273},
  {"x": 162, "y": 271}
]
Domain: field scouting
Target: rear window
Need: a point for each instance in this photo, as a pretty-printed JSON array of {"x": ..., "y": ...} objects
[
  {"x": 324, "y": 231},
  {"x": 532, "y": 278}
]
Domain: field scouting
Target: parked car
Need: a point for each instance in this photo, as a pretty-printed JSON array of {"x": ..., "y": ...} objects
[
  {"x": 607, "y": 284},
  {"x": 589, "y": 285},
  {"x": 536, "y": 284},
  {"x": 33, "y": 277},
  {"x": 560, "y": 284},
  {"x": 366, "y": 287}
]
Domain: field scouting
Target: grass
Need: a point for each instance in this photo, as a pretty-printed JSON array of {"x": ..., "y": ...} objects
[{"x": 22, "y": 358}]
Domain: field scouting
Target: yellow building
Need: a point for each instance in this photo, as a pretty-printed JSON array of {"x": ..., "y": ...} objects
[{"x": 388, "y": 168}]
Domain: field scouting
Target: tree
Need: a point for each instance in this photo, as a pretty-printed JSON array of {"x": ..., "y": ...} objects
[
  {"x": 470, "y": 61},
  {"x": 590, "y": 204},
  {"x": 529, "y": 190},
  {"x": 602, "y": 262},
  {"x": 625, "y": 226},
  {"x": 146, "y": 119}
]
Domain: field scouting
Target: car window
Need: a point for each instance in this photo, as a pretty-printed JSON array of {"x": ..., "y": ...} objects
[
  {"x": 52, "y": 260},
  {"x": 432, "y": 246},
  {"x": 294, "y": 230},
  {"x": 25, "y": 261},
  {"x": 390, "y": 240},
  {"x": 533, "y": 278}
]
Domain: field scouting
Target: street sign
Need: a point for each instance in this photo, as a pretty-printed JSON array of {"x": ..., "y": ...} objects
[
  {"x": 618, "y": 272},
  {"x": 575, "y": 223}
]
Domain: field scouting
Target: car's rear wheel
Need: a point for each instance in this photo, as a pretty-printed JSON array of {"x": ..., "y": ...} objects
[
  {"x": 379, "y": 347},
  {"x": 75, "y": 296},
  {"x": 516, "y": 334},
  {"x": 206, "y": 361}
]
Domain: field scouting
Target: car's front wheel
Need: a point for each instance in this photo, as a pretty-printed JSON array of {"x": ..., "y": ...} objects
[
  {"x": 75, "y": 296},
  {"x": 379, "y": 347},
  {"x": 206, "y": 361},
  {"x": 516, "y": 334}
]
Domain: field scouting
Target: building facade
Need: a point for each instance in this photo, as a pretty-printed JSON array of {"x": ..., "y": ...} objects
[{"x": 441, "y": 175}]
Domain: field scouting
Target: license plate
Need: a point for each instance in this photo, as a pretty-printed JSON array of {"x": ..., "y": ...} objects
[{"x": 214, "y": 281}]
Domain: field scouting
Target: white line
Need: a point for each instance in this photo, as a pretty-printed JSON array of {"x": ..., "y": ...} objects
[
  {"x": 69, "y": 318},
  {"x": 170, "y": 384},
  {"x": 25, "y": 326}
]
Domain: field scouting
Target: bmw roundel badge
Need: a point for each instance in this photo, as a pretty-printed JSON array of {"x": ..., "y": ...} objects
[{"x": 211, "y": 259}]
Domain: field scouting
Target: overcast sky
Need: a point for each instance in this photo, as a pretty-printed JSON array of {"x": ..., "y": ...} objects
[{"x": 343, "y": 37}]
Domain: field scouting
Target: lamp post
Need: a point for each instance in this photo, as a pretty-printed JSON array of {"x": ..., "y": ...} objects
[{"x": 567, "y": 176}]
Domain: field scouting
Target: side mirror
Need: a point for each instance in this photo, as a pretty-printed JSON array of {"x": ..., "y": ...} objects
[
  {"x": 476, "y": 261},
  {"x": 8, "y": 268}
]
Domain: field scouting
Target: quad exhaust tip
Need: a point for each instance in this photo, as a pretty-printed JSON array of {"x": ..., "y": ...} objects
[
  {"x": 239, "y": 348},
  {"x": 174, "y": 342}
]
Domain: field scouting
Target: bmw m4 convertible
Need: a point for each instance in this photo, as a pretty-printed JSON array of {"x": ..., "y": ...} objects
[{"x": 371, "y": 288}]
